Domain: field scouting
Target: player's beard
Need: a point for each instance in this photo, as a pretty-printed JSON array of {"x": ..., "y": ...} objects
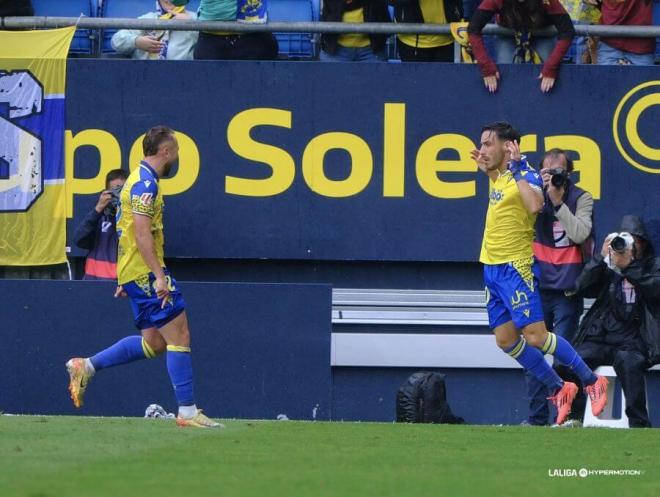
[
  {"x": 494, "y": 163},
  {"x": 167, "y": 169},
  {"x": 497, "y": 161}
]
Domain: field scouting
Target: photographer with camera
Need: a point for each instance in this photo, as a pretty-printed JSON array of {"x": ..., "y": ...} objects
[
  {"x": 97, "y": 232},
  {"x": 563, "y": 244},
  {"x": 622, "y": 328}
]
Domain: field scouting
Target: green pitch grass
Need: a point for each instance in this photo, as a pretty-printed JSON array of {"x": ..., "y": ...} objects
[{"x": 81, "y": 456}]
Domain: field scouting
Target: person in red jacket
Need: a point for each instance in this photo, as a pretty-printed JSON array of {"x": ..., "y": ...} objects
[
  {"x": 522, "y": 16},
  {"x": 626, "y": 51}
]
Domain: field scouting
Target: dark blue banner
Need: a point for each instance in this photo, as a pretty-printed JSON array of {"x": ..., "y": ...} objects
[{"x": 356, "y": 161}]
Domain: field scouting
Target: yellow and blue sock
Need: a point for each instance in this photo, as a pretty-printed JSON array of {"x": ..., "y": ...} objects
[
  {"x": 566, "y": 354},
  {"x": 126, "y": 350},
  {"x": 532, "y": 360},
  {"x": 179, "y": 366}
]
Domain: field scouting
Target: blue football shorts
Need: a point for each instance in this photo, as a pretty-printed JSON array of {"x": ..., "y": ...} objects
[
  {"x": 147, "y": 307},
  {"x": 512, "y": 293}
]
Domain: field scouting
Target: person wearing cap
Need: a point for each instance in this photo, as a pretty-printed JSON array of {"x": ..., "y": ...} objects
[{"x": 622, "y": 328}]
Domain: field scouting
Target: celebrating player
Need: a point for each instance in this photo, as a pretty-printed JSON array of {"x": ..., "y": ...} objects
[
  {"x": 510, "y": 273},
  {"x": 158, "y": 306}
]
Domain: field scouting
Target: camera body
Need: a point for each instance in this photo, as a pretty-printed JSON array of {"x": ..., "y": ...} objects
[
  {"x": 111, "y": 208},
  {"x": 620, "y": 242},
  {"x": 558, "y": 177}
]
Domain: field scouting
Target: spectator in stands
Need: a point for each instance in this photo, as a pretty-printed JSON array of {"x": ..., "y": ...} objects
[
  {"x": 626, "y": 51},
  {"x": 216, "y": 45},
  {"x": 469, "y": 6},
  {"x": 522, "y": 16},
  {"x": 354, "y": 47},
  {"x": 98, "y": 231},
  {"x": 427, "y": 48},
  {"x": 170, "y": 45},
  {"x": 622, "y": 328},
  {"x": 584, "y": 12},
  {"x": 16, "y": 8},
  {"x": 564, "y": 239}
]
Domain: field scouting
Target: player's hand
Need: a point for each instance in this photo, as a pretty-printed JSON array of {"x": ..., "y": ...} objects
[
  {"x": 479, "y": 158},
  {"x": 162, "y": 291},
  {"x": 514, "y": 150},
  {"x": 120, "y": 292},
  {"x": 149, "y": 44},
  {"x": 546, "y": 83},
  {"x": 103, "y": 201},
  {"x": 491, "y": 82}
]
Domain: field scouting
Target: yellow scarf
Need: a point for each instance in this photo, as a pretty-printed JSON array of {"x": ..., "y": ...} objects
[{"x": 460, "y": 33}]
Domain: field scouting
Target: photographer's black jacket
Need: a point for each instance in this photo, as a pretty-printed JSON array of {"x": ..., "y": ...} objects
[{"x": 597, "y": 281}]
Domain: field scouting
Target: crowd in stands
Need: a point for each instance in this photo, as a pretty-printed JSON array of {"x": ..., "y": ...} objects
[{"x": 523, "y": 16}]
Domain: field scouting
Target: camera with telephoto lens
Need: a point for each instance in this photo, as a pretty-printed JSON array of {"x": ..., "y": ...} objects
[
  {"x": 621, "y": 242},
  {"x": 558, "y": 177},
  {"x": 111, "y": 208}
]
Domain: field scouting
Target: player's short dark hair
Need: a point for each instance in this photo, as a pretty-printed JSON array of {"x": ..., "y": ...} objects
[
  {"x": 115, "y": 174},
  {"x": 558, "y": 152},
  {"x": 503, "y": 130},
  {"x": 154, "y": 137}
]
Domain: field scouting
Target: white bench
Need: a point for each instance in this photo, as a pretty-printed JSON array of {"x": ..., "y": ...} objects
[
  {"x": 411, "y": 307},
  {"x": 386, "y": 309}
]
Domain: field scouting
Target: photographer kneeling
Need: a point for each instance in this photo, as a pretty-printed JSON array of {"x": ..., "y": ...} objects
[
  {"x": 623, "y": 326},
  {"x": 98, "y": 231},
  {"x": 563, "y": 244}
]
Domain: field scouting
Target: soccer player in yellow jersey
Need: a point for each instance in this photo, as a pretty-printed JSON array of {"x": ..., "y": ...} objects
[
  {"x": 510, "y": 274},
  {"x": 158, "y": 306}
]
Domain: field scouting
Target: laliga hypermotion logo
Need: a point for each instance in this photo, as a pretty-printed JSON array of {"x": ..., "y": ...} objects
[{"x": 634, "y": 129}]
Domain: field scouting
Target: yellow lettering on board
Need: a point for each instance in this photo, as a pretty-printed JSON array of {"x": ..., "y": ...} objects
[
  {"x": 362, "y": 164},
  {"x": 427, "y": 166},
  {"x": 281, "y": 163}
]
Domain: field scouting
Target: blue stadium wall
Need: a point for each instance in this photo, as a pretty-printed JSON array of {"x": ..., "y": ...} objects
[{"x": 259, "y": 350}]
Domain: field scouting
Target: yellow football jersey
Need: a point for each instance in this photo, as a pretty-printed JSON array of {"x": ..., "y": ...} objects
[
  {"x": 433, "y": 12},
  {"x": 354, "y": 40},
  {"x": 138, "y": 197},
  {"x": 509, "y": 230}
]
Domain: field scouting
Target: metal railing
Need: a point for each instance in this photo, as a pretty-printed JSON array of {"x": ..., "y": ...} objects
[{"x": 299, "y": 27}]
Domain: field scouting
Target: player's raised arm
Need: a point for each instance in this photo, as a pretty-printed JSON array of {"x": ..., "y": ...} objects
[{"x": 528, "y": 180}]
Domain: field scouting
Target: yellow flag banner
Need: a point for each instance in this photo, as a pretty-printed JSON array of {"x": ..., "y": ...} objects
[{"x": 32, "y": 197}]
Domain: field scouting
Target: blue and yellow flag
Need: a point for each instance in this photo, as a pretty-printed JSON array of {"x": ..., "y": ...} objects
[
  {"x": 252, "y": 11},
  {"x": 32, "y": 197}
]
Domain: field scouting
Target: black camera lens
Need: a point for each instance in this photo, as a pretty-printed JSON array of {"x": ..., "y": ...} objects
[
  {"x": 558, "y": 179},
  {"x": 111, "y": 208},
  {"x": 618, "y": 244}
]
